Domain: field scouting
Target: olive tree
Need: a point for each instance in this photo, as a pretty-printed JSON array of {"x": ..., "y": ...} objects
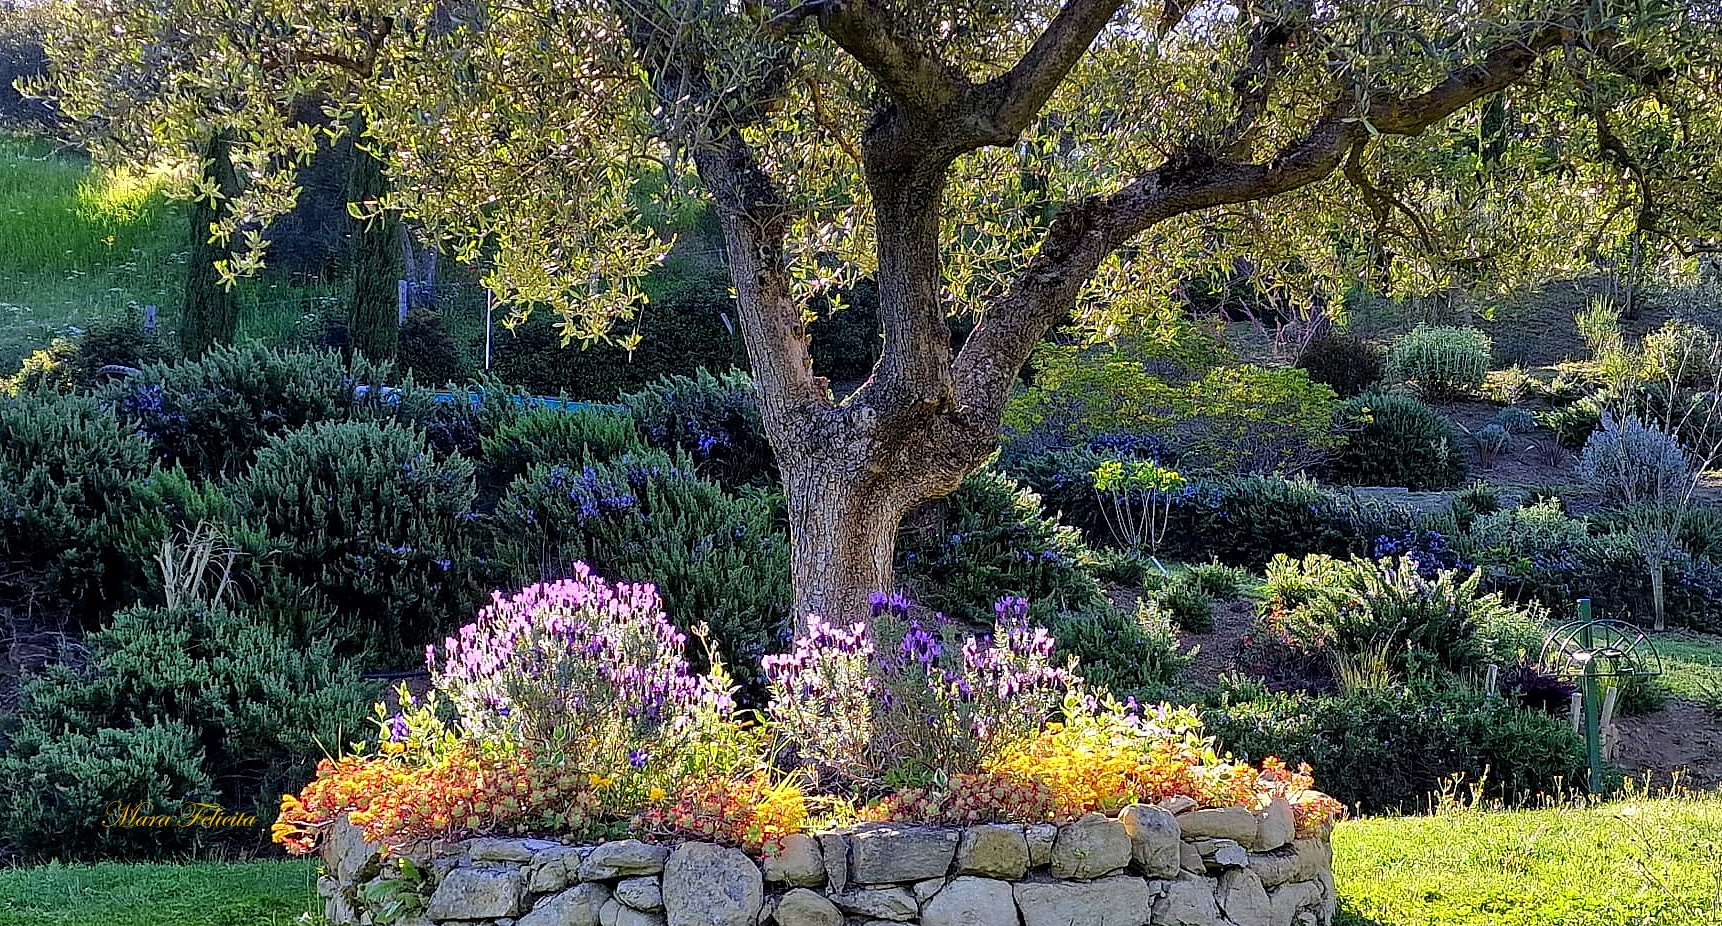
[{"x": 1021, "y": 162}]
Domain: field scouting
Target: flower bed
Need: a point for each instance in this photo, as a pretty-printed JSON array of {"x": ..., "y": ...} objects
[
  {"x": 575, "y": 716},
  {"x": 1147, "y": 865}
]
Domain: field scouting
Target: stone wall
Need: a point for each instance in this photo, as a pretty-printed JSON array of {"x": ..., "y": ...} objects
[{"x": 1150, "y": 864}]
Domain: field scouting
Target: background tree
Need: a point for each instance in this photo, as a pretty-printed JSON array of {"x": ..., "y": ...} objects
[
  {"x": 1021, "y": 162},
  {"x": 212, "y": 88},
  {"x": 373, "y": 320}
]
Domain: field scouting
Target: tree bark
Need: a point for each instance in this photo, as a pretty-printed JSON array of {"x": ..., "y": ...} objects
[
  {"x": 210, "y": 313},
  {"x": 926, "y": 419}
]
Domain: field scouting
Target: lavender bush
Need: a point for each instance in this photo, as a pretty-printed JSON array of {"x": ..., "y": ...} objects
[
  {"x": 583, "y": 668},
  {"x": 908, "y": 702}
]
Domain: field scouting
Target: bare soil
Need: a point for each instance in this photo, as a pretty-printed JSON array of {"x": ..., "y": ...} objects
[{"x": 1682, "y": 738}]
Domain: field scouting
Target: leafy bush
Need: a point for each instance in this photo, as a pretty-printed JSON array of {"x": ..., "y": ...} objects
[
  {"x": 1682, "y": 353},
  {"x": 1347, "y": 363},
  {"x": 81, "y": 520},
  {"x": 49, "y": 369},
  {"x": 1322, "y": 606},
  {"x": 456, "y": 423},
  {"x": 1177, "y": 384},
  {"x": 1390, "y": 750},
  {"x": 716, "y": 556},
  {"x": 429, "y": 352},
  {"x": 545, "y": 435},
  {"x": 1516, "y": 420},
  {"x": 1440, "y": 362},
  {"x": 243, "y": 699},
  {"x": 994, "y": 539},
  {"x": 119, "y": 341},
  {"x": 1246, "y": 520},
  {"x": 686, "y": 327},
  {"x": 1474, "y": 501},
  {"x": 1395, "y": 440},
  {"x": 369, "y": 519},
  {"x": 1574, "y": 423},
  {"x": 213, "y": 414},
  {"x": 1126, "y": 654},
  {"x": 713, "y": 419},
  {"x": 1184, "y": 599},
  {"x": 1063, "y": 480},
  {"x": 1636, "y": 464},
  {"x": 61, "y": 784}
]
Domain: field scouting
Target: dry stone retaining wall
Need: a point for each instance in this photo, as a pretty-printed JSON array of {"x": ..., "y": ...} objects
[{"x": 1149, "y": 865}]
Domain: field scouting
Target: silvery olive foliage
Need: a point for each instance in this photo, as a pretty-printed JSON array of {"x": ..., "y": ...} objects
[{"x": 522, "y": 130}]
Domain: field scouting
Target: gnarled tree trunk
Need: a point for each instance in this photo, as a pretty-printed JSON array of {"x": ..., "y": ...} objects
[{"x": 926, "y": 418}]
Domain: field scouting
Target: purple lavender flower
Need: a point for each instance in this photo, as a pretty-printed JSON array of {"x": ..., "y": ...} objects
[{"x": 398, "y": 728}]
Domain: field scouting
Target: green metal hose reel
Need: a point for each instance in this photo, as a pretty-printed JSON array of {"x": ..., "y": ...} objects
[{"x": 1591, "y": 652}]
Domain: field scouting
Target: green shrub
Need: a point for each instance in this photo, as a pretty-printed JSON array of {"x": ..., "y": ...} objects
[
  {"x": 1682, "y": 353},
  {"x": 1390, "y": 750},
  {"x": 1129, "y": 655},
  {"x": 1246, "y": 520},
  {"x": 716, "y": 556},
  {"x": 713, "y": 419},
  {"x": 1395, "y": 440},
  {"x": 1440, "y": 362},
  {"x": 80, "y": 520},
  {"x": 1179, "y": 385},
  {"x": 1347, "y": 363},
  {"x": 364, "y": 515},
  {"x": 252, "y": 708},
  {"x": 456, "y": 423},
  {"x": 1516, "y": 420},
  {"x": 1701, "y": 533},
  {"x": 689, "y": 325},
  {"x": 994, "y": 539},
  {"x": 50, "y": 369},
  {"x": 212, "y": 415},
  {"x": 1323, "y": 606},
  {"x": 1573, "y": 424},
  {"x": 1184, "y": 599},
  {"x": 1474, "y": 501},
  {"x": 60, "y": 784},
  {"x": 1221, "y": 582},
  {"x": 429, "y": 352},
  {"x": 547, "y": 435},
  {"x": 1062, "y": 480},
  {"x": 120, "y": 341}
]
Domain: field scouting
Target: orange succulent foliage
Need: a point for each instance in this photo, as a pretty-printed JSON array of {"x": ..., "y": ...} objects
[
  {"x": 397, "y": 802},
  {"x": 750, "y": 812}
]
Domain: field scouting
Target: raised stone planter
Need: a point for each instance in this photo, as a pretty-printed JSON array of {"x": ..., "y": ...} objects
[{"x": 1150, "y": 865}]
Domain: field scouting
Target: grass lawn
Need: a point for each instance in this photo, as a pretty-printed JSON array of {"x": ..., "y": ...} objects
[
  {"x": 203, "y": 894},
  {"x": 79, "y": 244},
  {"x": 1629, "y": 863},
  {"x": 1691, "y": 666}
]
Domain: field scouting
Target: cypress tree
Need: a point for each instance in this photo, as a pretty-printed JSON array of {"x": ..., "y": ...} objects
[
  {"x": 210, "y": 313},
  {"x": 373, "y": 315}
]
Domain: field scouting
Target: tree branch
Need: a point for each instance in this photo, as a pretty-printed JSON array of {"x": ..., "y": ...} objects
[
  {"x": 916, "y": 80},
  {"x": 1019, "y": 94},
  {"x": 1086, "y": 232},
  {"x": 755, "y": 223}
]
